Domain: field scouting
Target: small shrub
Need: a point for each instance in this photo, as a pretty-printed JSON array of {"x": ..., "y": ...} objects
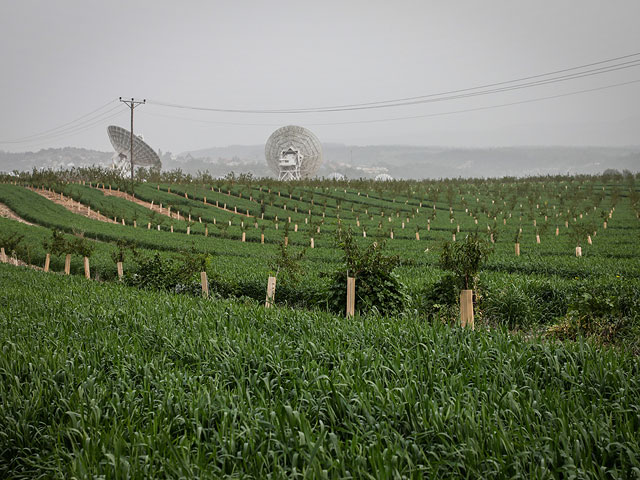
[
  {"x": 438, "y": 299},
  {"x": 464, "y": 259},
  {"x": 377, "y": 286},
  {"x": 168, "y": 275},
  {"x": 604, "y": 314},
  {"x": 11, "y": 243},
  {"x": 122, "y": 247}
]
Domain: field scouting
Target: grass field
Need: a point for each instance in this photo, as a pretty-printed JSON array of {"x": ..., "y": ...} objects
[{"x": 100, "y": 379}]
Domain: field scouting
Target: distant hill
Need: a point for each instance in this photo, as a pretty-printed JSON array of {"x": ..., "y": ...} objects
[
  {"x": 367, "y": 161},
  {"x": 434, "y": 162},
  {"x": 53, "y": 158}
]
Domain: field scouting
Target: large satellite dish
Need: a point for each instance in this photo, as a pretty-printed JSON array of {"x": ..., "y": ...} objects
[
  {"x": 293, "y": 153},
  {"x": 143, "y": 154}
]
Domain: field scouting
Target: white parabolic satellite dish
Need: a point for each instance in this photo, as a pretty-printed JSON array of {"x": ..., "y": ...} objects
[
  {"x": 293, "y": 153},
  {"x": 335, "y": 176},
  {"x": 143, "y": 154},
  {"x": 383, "y": 177}
]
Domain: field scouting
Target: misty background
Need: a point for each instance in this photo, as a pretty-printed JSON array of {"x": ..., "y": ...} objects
[{"x": 61, "y": 60}]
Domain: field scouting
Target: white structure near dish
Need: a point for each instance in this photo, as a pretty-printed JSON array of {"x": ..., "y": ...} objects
[
  {"x": 143, "y": 154},
  {"x": 293, "y": 153}
]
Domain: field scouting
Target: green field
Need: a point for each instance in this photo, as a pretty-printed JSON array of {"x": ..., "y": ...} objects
[
  {"x": 102, "y": 379},
  {"x": 131, "y": 378}
]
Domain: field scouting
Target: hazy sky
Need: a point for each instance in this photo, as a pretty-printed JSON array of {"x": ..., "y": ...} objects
[{"x": 63, "y": 59}]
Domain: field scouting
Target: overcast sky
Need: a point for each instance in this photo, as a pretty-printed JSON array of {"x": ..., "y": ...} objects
[{"x": 62, "y": 59}]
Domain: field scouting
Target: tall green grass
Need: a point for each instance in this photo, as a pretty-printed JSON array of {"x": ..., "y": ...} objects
[{"x": 99, "y": 380}]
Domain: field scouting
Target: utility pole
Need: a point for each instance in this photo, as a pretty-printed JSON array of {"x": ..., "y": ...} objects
[{"x": 132, "y": 104}]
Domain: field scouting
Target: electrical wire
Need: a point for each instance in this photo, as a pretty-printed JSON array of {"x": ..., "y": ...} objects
[
  {"x": 391, "y": 119},
  {"x": 59, "y": 127},
  {"x": 467, "y": 110},
  {"x": 75, "y": 131},
  {"x": 97, "y": 116},
  {"x": 92, "y": 121},
  {"x": 436, "y": 97},
  {"x": 531, "y": 77}
]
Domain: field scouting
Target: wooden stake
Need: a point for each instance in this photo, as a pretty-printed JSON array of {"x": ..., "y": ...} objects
[
  {"x": 271, "y": 292},
  {"x": 351, "y": 296},
  {"x": 87, "y": 272},
  {"x": 312, "y": 243},
  {"x": 67, "y": 264},
  {"x": 578, "y": 251},
  {"x": 205, "y": 284},
  {"x": 120, "y": 271},
  {"x": 47, "y": 262},
  {"x": 517, "y": 249},
  {"x": 3, "y": 255},
  {"x": 466, "y": 308}
]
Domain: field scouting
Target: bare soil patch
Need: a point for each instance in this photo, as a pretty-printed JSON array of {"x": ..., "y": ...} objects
[
  {"x": 73, "y": 206},
  {"x": 156, "y": 208},
  {"x": 131, "y": 198},
  {"x": 6, "y": 212}
]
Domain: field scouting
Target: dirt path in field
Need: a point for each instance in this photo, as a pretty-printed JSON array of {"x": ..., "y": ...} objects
[
  {"x": 72, "y": 205},
  {"x": 6, "y": 212},
  {"x": 163, "y": 211},
  {"x": 213, "y": 205},
  {"x": 19, "y": 263},
  {"x": 131, "y": 198}
]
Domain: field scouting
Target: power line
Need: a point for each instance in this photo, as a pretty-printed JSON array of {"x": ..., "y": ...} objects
[
  {"x": 62, "y": 127},
  {"x": 467, "y": 110},
  {"x": 70, "y": 133},
  {"x": 531, "y": 77},
  {"x": 484, "y": 92},
  {"x": 92, "y": 121},
  {"x": 449, "y": 95},
  {"x": 391, "y": 119}
]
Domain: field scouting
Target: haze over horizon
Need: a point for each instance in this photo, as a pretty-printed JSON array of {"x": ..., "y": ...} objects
[{"x": 62, "y": 60}]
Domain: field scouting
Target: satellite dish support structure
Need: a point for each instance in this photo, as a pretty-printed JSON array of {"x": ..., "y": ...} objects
[{"x": 289, "y": 164}]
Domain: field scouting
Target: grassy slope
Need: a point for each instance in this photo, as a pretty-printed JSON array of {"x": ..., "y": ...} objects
[{"x": 99, "y": 379}]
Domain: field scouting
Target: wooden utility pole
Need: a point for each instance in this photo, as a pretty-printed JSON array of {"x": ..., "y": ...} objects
[{"x": 132, "y": 104}]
